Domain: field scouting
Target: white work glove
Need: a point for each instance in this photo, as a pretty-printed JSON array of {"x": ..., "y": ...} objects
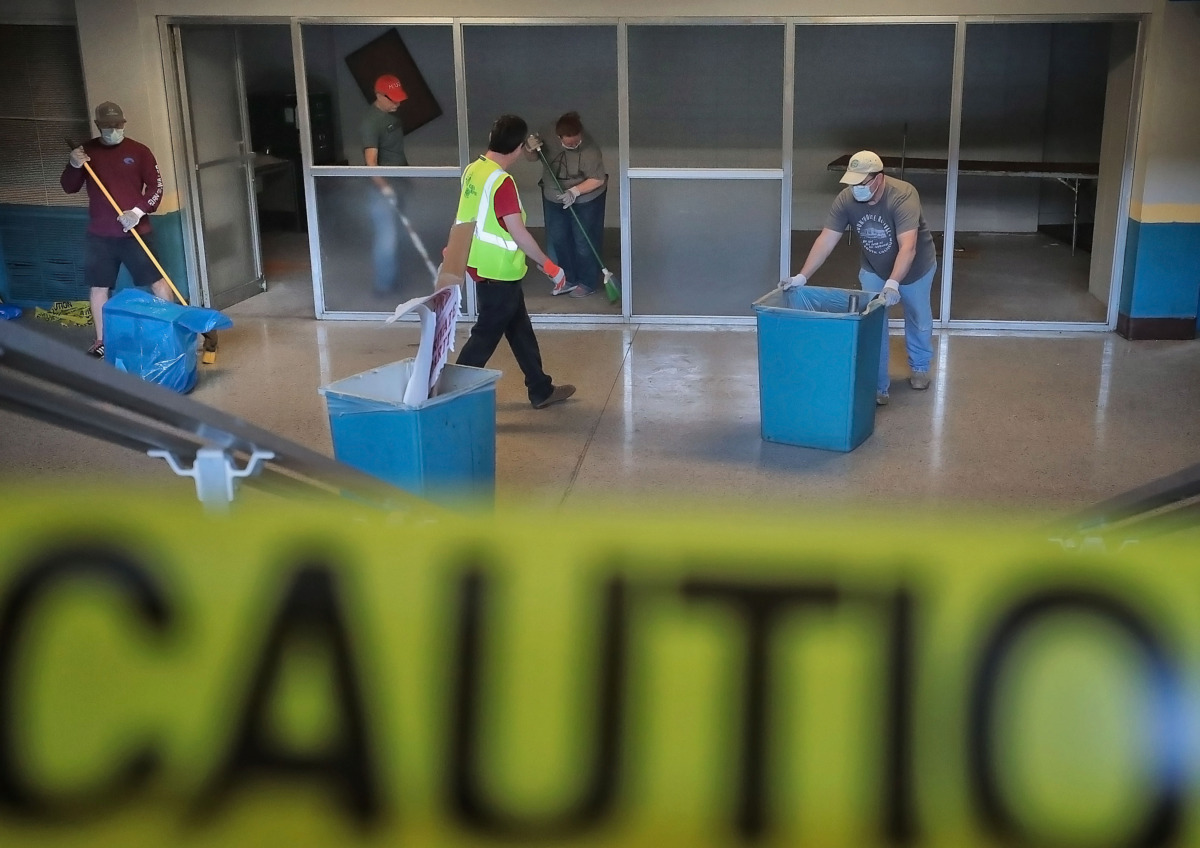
[
  {"x": 130, "y": 218},
  {"x": 794, "y": 282},
  {"x": 78, "y": 157},
  {"x": 555, "y": 273},
  {"x": 890, "y": 293},
  {"x": 534, "y": 143},
  {"x": 568, "y": 197}
]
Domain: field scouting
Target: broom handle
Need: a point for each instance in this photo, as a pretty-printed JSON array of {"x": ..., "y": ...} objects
[{"x": 136, "y": 234}]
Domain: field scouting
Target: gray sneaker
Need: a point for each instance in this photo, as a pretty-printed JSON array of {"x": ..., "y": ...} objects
[
  {"x": 919, "y": 380},
  {"x": 559, "y": 394},
  {"x": 881, "y": 399}
]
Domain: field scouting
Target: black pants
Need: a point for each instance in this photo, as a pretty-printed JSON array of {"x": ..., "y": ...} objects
[
  {"x": 502, "y": 313},
  {"x": 104, "y": 256}
]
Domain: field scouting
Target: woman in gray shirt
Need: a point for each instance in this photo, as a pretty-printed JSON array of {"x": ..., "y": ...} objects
[{"x": 575, "y": 159}]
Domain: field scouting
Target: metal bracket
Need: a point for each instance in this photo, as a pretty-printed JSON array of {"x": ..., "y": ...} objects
[{"x": 214, "y": 472}]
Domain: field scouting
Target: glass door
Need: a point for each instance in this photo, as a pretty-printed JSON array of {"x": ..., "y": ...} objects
[{"x": 220, "y": 163}]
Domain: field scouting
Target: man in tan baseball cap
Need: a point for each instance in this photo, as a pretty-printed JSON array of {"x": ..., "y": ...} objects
[
  {"x": 863, "y": 165},
  {"x": 897, "y": 261}
]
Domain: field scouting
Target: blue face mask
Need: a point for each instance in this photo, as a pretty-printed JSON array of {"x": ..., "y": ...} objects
[
  {"x": 112, "y": 135},
  {"x": 862, "y": 192}
]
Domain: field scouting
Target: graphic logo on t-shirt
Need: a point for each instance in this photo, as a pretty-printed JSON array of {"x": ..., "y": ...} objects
[
  {"x": 128, "y": 160},
  {"x": 875, "y": 234}
]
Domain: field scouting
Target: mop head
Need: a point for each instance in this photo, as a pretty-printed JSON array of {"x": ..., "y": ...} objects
[{"x": 610, "y": 287}]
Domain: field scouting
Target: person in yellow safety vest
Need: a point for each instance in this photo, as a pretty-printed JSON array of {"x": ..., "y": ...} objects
[{"x": 496, "y": 262}]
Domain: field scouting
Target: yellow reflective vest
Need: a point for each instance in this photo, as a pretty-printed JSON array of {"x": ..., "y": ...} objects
[{"x": 494, "y": 254}]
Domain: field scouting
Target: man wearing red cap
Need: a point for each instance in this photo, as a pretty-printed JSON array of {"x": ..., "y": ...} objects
[{"x": 383, "y": 144}]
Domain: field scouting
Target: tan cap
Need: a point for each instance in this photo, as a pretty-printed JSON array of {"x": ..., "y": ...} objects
[{"x": 863, "y": 164}]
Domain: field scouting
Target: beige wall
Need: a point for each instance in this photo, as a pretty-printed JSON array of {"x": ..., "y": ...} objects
[
  {"x": 1167, "y": 176},
  {"x": 122, "y": 62}
]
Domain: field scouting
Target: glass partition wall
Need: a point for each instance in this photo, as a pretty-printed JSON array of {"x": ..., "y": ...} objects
[
  {"x": 706, "y": 106},
  {"x": 721, "y": 141},
  {"x": 1045, "y": 116},
  {"x": 379, "y": 230},
  {"x": 542, "y": 73},
  {"x": 902, "y": 112}
]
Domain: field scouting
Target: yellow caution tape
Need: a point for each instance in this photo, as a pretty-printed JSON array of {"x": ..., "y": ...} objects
[
  {"x": 321, "y": 677},
  {"x": 76, "y": 313}
]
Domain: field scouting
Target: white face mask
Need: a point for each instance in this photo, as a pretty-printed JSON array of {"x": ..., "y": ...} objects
[
  {"x": 574, "y": 146},
  {"x": 112, "y": 136}
]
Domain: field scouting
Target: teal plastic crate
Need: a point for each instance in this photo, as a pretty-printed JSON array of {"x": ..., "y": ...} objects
[
  {"x": 817, "y": 366},
  {"x": 443, "y": 449}
]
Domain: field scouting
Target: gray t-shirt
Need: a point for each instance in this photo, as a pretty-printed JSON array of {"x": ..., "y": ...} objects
[
  {"x": 898, "y": 210},
  {"x": 572, "y": 166},
  {"x": 382, "y": 130}
]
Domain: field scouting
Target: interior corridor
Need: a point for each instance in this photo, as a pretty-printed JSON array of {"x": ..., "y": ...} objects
[{"x": 668, "y": 416}]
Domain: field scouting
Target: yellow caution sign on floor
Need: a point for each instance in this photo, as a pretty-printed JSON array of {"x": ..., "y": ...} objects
[{"x": 300, "y": 677}]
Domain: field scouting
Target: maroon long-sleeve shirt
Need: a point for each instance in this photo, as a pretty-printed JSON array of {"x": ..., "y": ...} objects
[{"x": 129, "y": 172}]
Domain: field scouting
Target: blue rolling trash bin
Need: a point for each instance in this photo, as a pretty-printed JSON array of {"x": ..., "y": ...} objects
[
  {"x": 817, "y": 366},
  {"x": 443, "y": 449}
]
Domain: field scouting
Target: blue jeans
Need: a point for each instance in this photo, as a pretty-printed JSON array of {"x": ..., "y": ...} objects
[
  {"x": 918, "y": 322},
  {"x": 566, "y": 244},
  {"x": 385, "y": 242}
]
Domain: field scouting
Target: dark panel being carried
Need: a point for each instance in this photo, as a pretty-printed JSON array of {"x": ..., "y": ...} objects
[{"x": 388, "y": 55}]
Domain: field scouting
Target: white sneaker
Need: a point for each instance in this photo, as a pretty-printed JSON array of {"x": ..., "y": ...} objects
[
  {"x": 562, "y": 288},
  {"x": 919, "y": 380},
  {"x": 881, "y": 399}
]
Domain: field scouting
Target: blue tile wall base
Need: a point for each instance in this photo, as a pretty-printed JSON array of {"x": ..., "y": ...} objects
[
  {"x": 1160, "y": 279},
  {"x": 41, "y": 253}
]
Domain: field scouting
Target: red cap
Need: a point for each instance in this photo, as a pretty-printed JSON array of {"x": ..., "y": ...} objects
[{"x": 389, "y": 86}]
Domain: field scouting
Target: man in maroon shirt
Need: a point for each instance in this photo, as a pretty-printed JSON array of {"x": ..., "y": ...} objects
[{"x": 130, "y": 173}]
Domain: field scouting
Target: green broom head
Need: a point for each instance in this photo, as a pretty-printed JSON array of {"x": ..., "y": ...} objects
[{"x": 610, "y": 287}]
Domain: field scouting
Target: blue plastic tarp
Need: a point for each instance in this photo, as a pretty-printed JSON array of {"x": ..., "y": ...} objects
[{"x": 156, "y": 340}]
